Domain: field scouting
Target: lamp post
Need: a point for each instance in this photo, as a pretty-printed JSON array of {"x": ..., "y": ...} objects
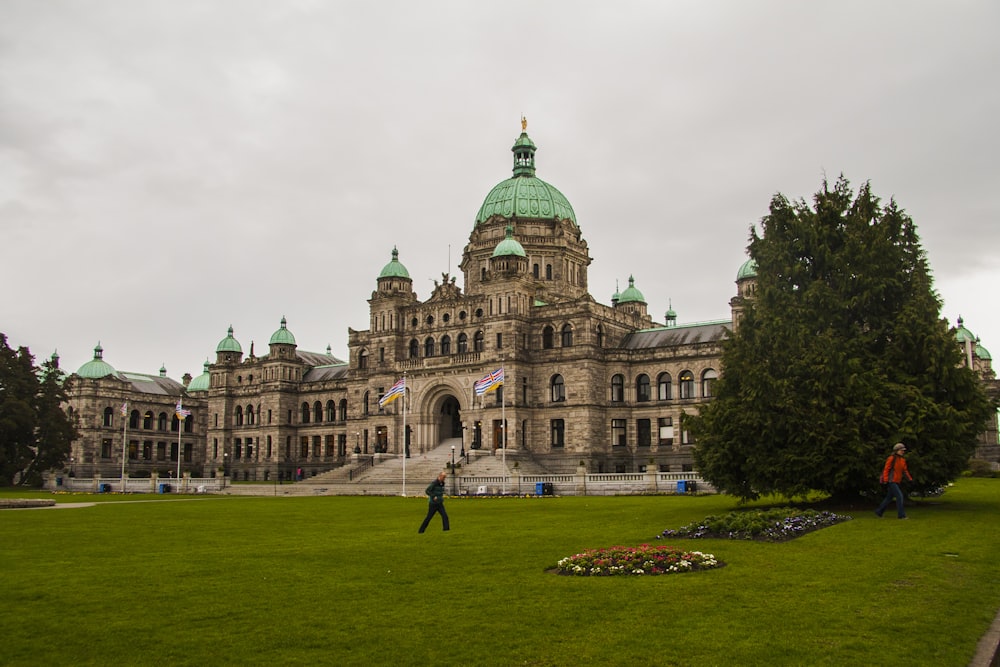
[
  {"x": 453, "y": 480},
  {"x": 72, "y": 467},
  {"x": 357, "y": 442},
  {"x": 225, "y": 468}
]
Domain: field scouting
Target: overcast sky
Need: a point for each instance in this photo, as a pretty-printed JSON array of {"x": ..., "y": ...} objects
[{"x": 171, "y": 168}]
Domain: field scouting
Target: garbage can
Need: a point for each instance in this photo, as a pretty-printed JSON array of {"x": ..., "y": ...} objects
[
  {"x": 163, "y": 488},
  {"x": 692, "y": 485},
  {"x": 547, "y": 489},
  {"x": 103, "y": 488},
  {"x": 58, "y": 481},
  {"x": 539, "y": 488},
  {"x": 682, "y": 486}
]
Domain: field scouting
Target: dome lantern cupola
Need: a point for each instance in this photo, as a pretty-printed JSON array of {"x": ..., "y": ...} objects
[
  {"x": 228, "y": 349},
  {"x": 282, "y": 336}
]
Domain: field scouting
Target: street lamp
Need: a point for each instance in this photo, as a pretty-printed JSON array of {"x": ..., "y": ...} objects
[
  {"x": 453, "y": 480},
  {"x": 357, "y": 442},
  {"x": 225, "y": 468}
]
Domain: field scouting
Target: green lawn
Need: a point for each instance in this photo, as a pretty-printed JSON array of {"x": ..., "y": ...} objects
[{"x": 348, "y": 581}]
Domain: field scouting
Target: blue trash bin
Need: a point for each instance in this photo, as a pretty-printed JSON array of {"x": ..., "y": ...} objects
[
  {"x": 539, "y": 488},
  {"x": 682, "y": 486},
  {"x": 103, "y": 488}
]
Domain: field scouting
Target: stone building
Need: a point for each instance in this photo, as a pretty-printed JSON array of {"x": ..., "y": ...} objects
[{"x": 587, "y": 382}]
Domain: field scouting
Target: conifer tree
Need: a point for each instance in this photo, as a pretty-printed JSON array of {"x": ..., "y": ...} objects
[{"x": 840, "y": 353}]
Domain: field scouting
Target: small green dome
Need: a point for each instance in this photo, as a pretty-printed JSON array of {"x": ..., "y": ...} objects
[
  {"x": 202, "y": 382},
  {"x": 509, "y": 246},
  {"x": 983, "y": 353},
  {"x": 963, "y": 335},
  {"x": 283, "y": 336},
  {"x": 525, "y": 195},
  {"x": 631, "y": 294},
  {"x": 229, "y": 344},
  {"x": 96, "y": 367},
  {"x": 747, "y": 270},
  {"x": 394, "y": 269}
]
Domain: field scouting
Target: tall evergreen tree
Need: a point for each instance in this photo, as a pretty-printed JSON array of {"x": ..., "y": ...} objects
[
  {"x": 35, "y": 430},
  {"x": 840, "y": 353}
]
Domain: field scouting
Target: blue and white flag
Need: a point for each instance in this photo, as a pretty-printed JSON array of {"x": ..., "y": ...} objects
[
  {"x": 489, "y": 383},
  {"x": 395, "y": 391}
]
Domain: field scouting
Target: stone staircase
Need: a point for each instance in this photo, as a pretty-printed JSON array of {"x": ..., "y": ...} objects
[{"x": 385, "y": 477}]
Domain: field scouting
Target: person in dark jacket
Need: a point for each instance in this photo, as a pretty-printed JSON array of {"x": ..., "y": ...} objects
[
  {"x": 892, "y": 474},
  {"x": 435, "y": 494}
]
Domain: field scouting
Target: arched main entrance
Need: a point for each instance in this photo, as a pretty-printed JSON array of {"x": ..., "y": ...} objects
[{"x": 450, "y": 419}]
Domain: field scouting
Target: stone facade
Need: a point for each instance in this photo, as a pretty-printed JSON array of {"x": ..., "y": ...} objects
[{"x": 583, "y": 381}]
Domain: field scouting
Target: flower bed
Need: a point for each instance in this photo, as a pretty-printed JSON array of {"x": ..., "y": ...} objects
[
  {"x": 633, "y": 561},
  {"x": 775, "y": 525}
]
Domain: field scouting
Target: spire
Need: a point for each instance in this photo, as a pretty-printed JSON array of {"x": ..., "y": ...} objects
[{"x": 524, "y": 152}]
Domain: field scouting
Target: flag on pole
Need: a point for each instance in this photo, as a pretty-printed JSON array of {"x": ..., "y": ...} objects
[
  {"x": 395, "y": 391},
  {"x": 181, "y": 412},
  {"x": 489, "y": 383},
  {"x": 124, "y": 409}
]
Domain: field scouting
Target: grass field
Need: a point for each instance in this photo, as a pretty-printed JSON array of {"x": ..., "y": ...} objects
[{"x": 348, "y": 581}]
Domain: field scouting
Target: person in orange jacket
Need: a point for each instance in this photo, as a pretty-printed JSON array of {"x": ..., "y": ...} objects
[{"x": 892, "y": 474}]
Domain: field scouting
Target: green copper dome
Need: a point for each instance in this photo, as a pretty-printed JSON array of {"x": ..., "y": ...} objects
[
  {"x": 509, "y": 246},
  {"x": 963, "y": 335},
  {"x": 283, "y": 336},
  {"x": 96, "y": 367},
  {"x": 747, "y": 270},
  {"x": 394, "y": 269},
  {"x": 982, "y": 352},
  {"x": 631, "y": 294},
  {"x": 229, "y": 344},
  {"x": 200, "y": 383},
  {"x": 525, "y": 195}
]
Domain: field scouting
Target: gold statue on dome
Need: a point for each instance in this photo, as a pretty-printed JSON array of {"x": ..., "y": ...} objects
[{"x": 524, "y": 123}]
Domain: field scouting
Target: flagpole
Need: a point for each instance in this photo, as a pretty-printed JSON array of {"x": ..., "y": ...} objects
[
  {"x": 503, "y": 428},
  {"x": 404, "y": 435},
  {"x": 124, "y": 443}
]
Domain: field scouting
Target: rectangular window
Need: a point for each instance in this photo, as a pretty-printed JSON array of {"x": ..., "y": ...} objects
[
  {"x": 499, "y": 341},
  {"x": 106, "y": 449},
  {"x": 147, "y": 450},
  {"x": 643, "y": 433},
  {"x": 317, "y": 451},
  {"x": 666, "y": 427},
  {"x": 304, "y": 447},
  {"x": 238, "y": 449},
  {"x": 215, "y": 448},
  {"x": 618, "y": 433},
  {"x": 558, "y": 433},
  {"x": 161, "y": 451}
]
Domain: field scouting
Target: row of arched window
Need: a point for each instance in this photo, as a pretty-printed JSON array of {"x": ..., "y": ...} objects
[
  {"x": 150, "y": 422},
  {"x": 686, "y": 387},
  {"x": 433, "y": 348}
]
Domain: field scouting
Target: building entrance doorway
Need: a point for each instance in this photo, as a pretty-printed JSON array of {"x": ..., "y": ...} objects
[{"x": 450, "y": 419}]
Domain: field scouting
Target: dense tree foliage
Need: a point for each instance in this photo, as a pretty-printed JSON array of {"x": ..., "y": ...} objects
[
  {"x": 35, "y": 430},
  {"x": 840, "y": 353}
]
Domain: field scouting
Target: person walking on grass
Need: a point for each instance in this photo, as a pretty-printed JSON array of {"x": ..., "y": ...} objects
[
  {"x": 892, "y": 474},
  {"x": 435, "y": 503}
]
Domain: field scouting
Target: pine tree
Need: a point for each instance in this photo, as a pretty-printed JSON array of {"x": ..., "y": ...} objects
[
  {"x": 35, "y": 430},
  {"x": 840, "y": 353}
]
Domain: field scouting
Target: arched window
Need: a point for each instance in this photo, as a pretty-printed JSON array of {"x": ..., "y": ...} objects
[
  {"x": 664, "y": 390},
  {"x": 617, "y": 388},
  {"x": 708, "y": 379},
  {"x": 109, "y": 416},
  {"x": 238, "y": 415},
  {"x": 318, "y": 412},
  {"x": 161, "y": 422},
  {"x": 414, "y": 348},
  {"x": 642, "y": 388},
  {"x": 429, "y": 347},
  {"x": 363, "y": 359},
  {"x": 600, "y": 336},
  {"x": 189, "y": 423},
  {"x": 331, "y": 411},
  {"x": 567, "y": 336},
  {"x": 305, "y": 413},
  {"x": 251, "y": 417},
  {"x": 477, "y": 342},
  {"x": 558, "y": 389},
  {"x": 147, "y": 420},
  {"x": 548, "y": 272},
  {"x": 364, "y": 404},
  {"x": 445, "y": 345},
  {"x": 686, "y": 382},
  {"x": 463, "y": 343},
  {"x": 547, "y": 335},
  {"x": 133, "y": 419},
  {"x": 343, "y": 409}
]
